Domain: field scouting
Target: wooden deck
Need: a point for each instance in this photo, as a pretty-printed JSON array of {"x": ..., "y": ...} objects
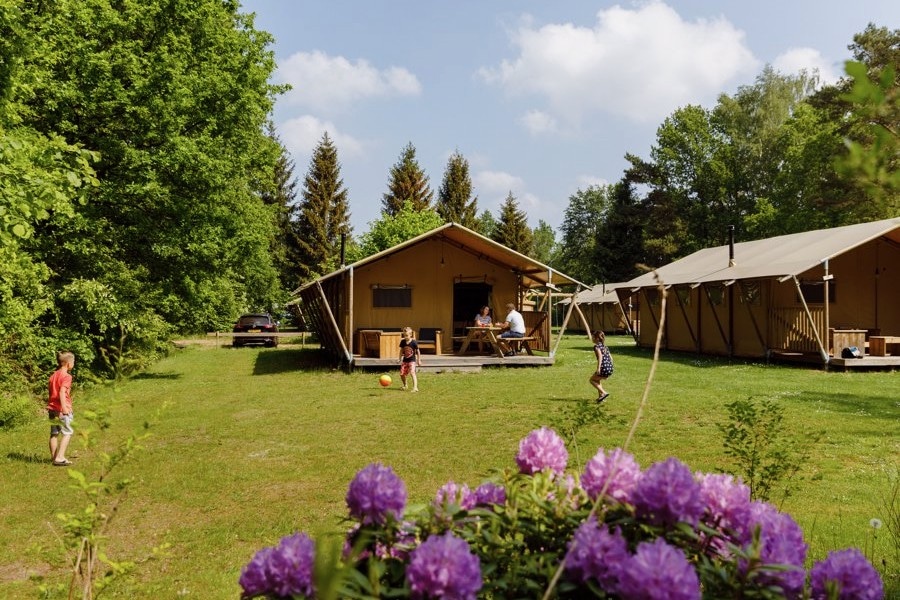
[
  {"x": 432, "y": 363},
  {"x": 839, "y": 364}
]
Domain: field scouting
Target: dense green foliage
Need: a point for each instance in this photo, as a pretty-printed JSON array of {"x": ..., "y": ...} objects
[
  {"x": 390, "y": 230},
  {"x": 282, "y": 198},
  {"x": 133, "y": 160}
]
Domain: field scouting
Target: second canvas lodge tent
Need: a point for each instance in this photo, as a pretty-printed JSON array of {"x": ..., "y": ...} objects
[
  {"x": 599, "y": 309},
  {"x": 437, "y": 280},
  {"x": 787, "y": 294}
]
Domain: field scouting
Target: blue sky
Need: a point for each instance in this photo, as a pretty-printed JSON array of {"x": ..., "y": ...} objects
[{"x": 543, "y": 98}]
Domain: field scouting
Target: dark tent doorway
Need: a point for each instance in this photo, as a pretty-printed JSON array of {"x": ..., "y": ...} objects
[{"x": 468, "y": 298}]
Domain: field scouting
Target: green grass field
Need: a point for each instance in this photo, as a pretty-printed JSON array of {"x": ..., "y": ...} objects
[{"x": 254, "y": 444}]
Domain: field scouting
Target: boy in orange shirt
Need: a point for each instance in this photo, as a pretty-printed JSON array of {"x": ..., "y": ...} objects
[{"x": 59, "y": 408}]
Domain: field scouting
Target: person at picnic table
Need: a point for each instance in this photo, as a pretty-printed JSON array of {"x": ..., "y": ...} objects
[
  {"x": 515, "y": 328},
  {"x": 483, "y": 318}
]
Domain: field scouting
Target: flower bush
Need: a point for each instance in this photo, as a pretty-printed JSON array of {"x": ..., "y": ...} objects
[{"x": 613, "y": 531}]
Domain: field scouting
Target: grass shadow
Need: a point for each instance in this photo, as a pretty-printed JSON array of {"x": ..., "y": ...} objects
[
  {"x": 169, "y": 375},
  {"x": 880, "y": 407},
  {"x": 283, "y": 360},
  {"x": 27, "y": 458}
]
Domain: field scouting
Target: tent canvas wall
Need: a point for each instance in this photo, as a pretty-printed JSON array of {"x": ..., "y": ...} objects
[{"x": 772, "y": 295}]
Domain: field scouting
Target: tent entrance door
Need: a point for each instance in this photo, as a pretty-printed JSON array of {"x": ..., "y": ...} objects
[{"x": 468, "y": 298}]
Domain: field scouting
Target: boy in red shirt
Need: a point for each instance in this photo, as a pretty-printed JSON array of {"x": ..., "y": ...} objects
[{"x": 59, "y": 408}]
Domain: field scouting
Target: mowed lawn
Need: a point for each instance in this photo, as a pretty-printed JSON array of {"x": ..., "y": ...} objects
[{"x": 249, "y": 445}]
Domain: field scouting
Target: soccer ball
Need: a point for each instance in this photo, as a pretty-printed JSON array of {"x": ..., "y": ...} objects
[{"x": 384, "y": 380}]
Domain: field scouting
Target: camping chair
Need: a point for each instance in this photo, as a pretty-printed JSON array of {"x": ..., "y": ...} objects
[
  {"x": 371, "y": 342},
  {"x": 429, "y": 338}
]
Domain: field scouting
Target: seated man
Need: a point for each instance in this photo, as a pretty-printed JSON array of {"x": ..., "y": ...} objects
[{"x": 515, "y": 328}]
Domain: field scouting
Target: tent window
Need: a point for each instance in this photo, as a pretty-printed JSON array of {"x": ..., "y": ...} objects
[
  {"x": 814, "y": 292},
  {"x": 684, "y": 295},
  {"x": 716, "y": 294},
  {"x": 652, "y": 296},
  {"x": 751, "y": 293},
  {"x": 392, "y": 297}
]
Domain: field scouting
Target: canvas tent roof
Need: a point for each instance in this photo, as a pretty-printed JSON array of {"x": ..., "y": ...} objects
[
  {"x": 534, "y": 273},
  {"x": 781, "y": 256},
  {"x": 602, "y": 293}
]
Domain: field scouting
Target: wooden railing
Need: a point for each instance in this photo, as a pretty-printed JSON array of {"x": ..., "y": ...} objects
[{"x": 790, "y": 329}]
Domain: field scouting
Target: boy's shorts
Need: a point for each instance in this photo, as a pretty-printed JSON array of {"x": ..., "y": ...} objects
[
  {"x": 62, "y": 423},
  {"x": 407, "y": 367}
]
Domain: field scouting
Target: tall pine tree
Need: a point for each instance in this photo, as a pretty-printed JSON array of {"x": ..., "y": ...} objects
[
  {"x": 455, "y": 203},
  {"x": 408, "y": 182},
  {"x": 282, "y": 197},
  {"x": 512, "y": 227},
  {"x": 323, "y": 215}
]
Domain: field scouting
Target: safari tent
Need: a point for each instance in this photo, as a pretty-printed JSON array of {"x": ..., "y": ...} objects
[
  {"x": 600, "y": 310},
  {"x": 436, "y": 281},
  {"x": 803, "y": 294}
]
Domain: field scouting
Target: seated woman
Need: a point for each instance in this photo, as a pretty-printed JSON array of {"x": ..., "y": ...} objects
[{"x": 483, "y": 319}]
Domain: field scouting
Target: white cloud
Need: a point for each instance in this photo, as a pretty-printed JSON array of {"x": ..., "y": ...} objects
[
  {"x": 538, "y": 122},
  {"x": 795, "y": 60},
  {"x": 640, "y": 63},
  {"x": 301, "y": 135},
  {"x": 492, "y": 188},
  {"x": 586, "y": 181},
  {"x": 328, "y": 83},
  {"x": 496, "y": 184}
]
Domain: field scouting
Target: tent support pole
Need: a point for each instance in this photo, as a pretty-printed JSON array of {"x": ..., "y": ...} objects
[
  {"x": 565, "y": 322},
  {"x": 827, "y": 279},
  {"x": 812, "y": 323},
  {"x": 350, "y": 335},
  {"x": 334, "y": 324}
]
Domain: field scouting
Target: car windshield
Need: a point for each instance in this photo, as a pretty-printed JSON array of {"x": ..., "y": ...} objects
[{"x": 253, "y": 320}]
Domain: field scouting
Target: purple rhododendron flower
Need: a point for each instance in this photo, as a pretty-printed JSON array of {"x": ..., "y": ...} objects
[
  {"x": 443, "y": 566},
  {"x": 542, "y": 449},
  {"x": 667, "y": 493},
  {"x": 595, "y": 553},
  {"x": 290, "y": 566},
  {"x": 459, "y": 495},
  {"x": 375, "y": 493},
  {"x": 254, "y": 578},
  {"x": 727, "y": 503},
  {"x": 618, "y": 467},
  {"x": 658, "y": 571},
  {"x": 849, "y": 571},
  {"x": 490, "y": 493},
  {"x": 781, "y": 543},
  {"x": 283, "y": 571}
]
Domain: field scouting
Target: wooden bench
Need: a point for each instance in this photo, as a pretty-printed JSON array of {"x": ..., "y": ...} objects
[
  {"x": 880, "y": 344},
  {"x": 518, "y": 344}
]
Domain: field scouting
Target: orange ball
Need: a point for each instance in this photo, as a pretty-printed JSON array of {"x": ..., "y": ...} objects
[{"x": 384, "y": 380}]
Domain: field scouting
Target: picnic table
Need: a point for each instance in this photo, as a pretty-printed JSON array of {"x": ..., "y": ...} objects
[{"x": 488, "y": 335}]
